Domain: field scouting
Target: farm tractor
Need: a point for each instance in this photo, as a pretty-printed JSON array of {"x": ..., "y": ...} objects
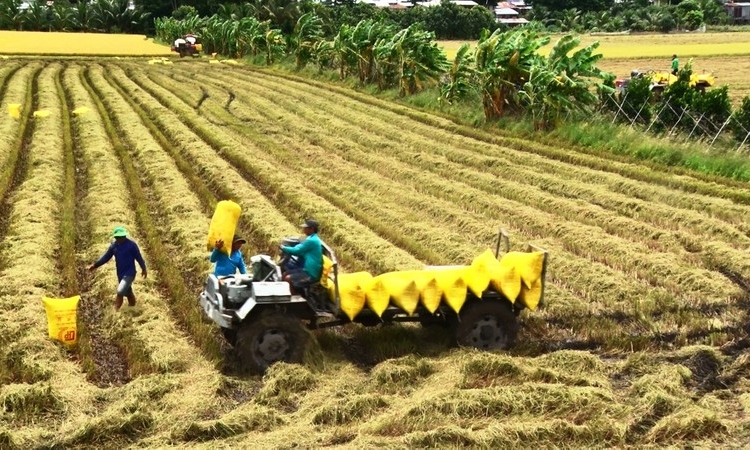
[
  {"x": 266, "y": 323},
  {"x": 660, "y": 81},
  {"x": 189, "y": 45}
]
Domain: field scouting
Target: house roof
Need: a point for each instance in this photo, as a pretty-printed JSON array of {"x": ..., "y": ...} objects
[
  {"x": 505, "y": 12},
  {"x": 515, "y": 20}
]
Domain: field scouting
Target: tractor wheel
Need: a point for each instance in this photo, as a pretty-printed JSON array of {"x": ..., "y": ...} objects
[
  {"x": 270, "y": 337},
  {"x": 487, "y": 325},
  {"x": 230, "y": 335}
]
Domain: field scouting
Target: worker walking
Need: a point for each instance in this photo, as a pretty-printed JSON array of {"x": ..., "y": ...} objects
[
  {"x": 126, "y": 253},
  {"x": 228, "y": 265},
  {"x": 675, "y": 65},
  {"x": 311, "y": 250}
]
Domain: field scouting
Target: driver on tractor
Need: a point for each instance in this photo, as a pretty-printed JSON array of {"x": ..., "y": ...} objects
[{"x": 311, "y": 252}]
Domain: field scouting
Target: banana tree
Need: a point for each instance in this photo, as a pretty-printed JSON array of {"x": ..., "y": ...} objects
[
  {"x": 343, "y": 50},
  {"x": 566, "y": 82},
  {"x": 460, "y": 79},
  {"x": 307, "y": 32},
  {"x": 503, "y": 64},
  {"x": 412, "y": 57}
]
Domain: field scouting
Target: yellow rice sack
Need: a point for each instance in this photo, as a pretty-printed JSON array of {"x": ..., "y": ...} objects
[
  {"x": 528, "y": 265},
  {"x": 507, "y": 281},
  {"x": 14, "y": 110},
  {"x": 453, "y": 287},
  {"x": 61, "y": 319},
  {"x": 402, "y": 290},
  {"x": 351, "y": 292},
  {"x": 479, "y": 274},
  {"x": 223, "y": 225},
  {"x": 376, "y": 295},
  {"x": 429, "y": 292},
  {"x": 531, "y": 296},
  {"x": 324, "y": 276}
]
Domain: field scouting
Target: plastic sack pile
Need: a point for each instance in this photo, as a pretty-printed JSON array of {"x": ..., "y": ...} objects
[
  {"x": 518, "y": 276},
  {"x": 223, "y": 225}
]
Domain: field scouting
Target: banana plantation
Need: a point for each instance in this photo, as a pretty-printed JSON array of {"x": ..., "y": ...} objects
[{"x": 504, "y": 70}]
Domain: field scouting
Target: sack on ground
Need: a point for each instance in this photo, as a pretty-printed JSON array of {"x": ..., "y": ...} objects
[{"x": 61, "y": 319}]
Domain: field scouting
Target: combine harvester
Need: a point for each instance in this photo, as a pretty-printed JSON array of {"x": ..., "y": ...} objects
[
  {"x": 660, "y": 81},
  {"x": 480, "y": 302}
]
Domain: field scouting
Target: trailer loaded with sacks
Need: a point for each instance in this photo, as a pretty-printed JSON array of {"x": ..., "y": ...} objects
[{"x": 479, "y": 302}]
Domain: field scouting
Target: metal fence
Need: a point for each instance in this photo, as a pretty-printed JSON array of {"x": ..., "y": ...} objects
[{"x": 673, "y": 120}]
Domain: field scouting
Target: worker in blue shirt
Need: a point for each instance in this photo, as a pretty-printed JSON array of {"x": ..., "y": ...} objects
[
  {"x": 228, "y": 265},
  {"x": 126, "y": 253},
  {"x": 311, "y": 251}
]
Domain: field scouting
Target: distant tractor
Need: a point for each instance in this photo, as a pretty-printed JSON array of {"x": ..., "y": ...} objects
[
  {"x": 189, "y": 45},
  {"x": 660, "y": 81},
  {"x": 266, "y": 323}
]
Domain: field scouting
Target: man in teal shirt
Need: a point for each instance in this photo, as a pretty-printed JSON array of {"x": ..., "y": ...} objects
[
  {"x": 675, "y": 65},
  {"x": 311, "y": 251}
]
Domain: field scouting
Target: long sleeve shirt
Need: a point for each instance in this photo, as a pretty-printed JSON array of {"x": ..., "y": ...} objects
[
  {"x": 126, "y": 254},
  {"x": 227, "y": 265},
  {"x": 312, "y": 251}
]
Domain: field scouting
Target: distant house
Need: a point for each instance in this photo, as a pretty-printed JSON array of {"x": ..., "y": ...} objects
[
  {"x": 510, "y": 13},
  {"x": 740, "y": 12},
  {"x": 401, "y": 4}
]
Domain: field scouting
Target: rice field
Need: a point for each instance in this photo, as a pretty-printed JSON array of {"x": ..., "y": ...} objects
[
  {"x": 81, "y": 44},
  {"x": 643, "y": 341}
]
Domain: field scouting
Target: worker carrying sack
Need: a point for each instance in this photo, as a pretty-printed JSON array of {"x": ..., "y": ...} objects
[{"x": 61, "y": 319}]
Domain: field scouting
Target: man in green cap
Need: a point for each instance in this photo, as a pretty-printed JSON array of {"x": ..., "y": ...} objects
[{"x": 126, "y": 253}]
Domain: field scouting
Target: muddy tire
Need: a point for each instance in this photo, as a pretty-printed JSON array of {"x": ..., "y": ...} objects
[
  {"x": 487, "y": 325},
  {"x": 269, "y": 338},
  {"x": 230, "y": 335}
]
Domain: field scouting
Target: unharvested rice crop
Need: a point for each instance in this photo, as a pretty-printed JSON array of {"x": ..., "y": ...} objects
[
  {"x": 641, "y": 341},
  {"x": 42, "y": 43}
]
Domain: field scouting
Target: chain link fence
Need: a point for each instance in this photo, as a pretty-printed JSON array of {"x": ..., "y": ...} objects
[{"x": 672, "y": 120}]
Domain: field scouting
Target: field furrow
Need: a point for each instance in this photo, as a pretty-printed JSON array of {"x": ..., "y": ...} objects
[
  {"x": 11, "y": 91},
  {"x": 39, "y": 380},
  {"x": 151, "y": 216},
  {"x": 364, "y": 196},
  {"x": 365, "y": 249},
  {"x": 623, "y": 256},
  {"x": 102, "y": 359},
  {"x": 514, "y": 165},
  {"x": 188, "y": 381},
  {"x": 584, "y": 158}
]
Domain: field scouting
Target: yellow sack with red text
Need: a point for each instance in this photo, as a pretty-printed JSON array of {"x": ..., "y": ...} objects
[
  {"x": 61, "y": 319},
  {"x": 223, "y": 225}
]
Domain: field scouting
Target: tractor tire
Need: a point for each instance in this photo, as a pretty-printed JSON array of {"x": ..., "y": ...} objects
[
  {"x": 487, "y": 325},
  {"x": 268, "y": 338},
  {"x": 230, "y": 335}
]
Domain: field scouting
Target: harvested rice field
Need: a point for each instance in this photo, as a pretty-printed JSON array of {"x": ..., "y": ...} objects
[{"x": 643, "y": 340}]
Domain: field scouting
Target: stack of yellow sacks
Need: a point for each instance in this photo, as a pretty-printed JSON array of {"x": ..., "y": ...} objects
[{"x": 518, "y": 276}]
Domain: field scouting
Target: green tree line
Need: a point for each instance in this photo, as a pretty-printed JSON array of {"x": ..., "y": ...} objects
[{"x": 106, "y": 16}]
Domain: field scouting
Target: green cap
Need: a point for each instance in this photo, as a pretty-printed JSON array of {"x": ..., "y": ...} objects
[{"x": 119, "y": 232}]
